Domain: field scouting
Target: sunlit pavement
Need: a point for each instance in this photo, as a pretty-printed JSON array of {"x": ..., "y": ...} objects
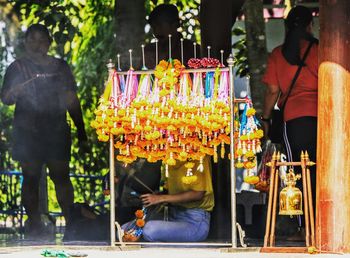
[
  {"x": 16, "y": 246},
  {"x": 151, "y": 252}
]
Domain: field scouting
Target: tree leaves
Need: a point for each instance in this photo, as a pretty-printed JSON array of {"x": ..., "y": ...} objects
[
  {"x": 84, "y": 35},
  {"x": 240, "y": 52}
]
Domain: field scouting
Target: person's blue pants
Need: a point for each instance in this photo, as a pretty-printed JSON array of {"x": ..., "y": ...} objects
[{"x": 184, "y": 225}]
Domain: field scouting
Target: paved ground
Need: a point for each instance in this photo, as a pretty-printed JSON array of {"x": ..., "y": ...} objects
[
  {"x": 151, "y": 252},
  {"x": 15, "y": 246}
]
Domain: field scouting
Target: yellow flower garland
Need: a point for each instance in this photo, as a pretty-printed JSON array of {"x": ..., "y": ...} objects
[{"x": 161, "y": 126}]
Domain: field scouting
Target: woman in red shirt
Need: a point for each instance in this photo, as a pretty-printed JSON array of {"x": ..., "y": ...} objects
[{"x": 300, "y": 112}]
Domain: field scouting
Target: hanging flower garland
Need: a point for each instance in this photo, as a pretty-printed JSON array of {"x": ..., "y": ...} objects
[
  {"x": 248, "y": 143},
  {"x": 174, "y": 116},
  {"x": 108, "y": 107},
  {"x": 134, "y": 230}
]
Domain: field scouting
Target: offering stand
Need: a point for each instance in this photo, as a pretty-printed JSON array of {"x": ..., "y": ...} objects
[{"x": 111, "y": 103}]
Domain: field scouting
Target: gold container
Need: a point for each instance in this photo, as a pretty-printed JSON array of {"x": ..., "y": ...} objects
[{"x": 290, "y": 196}]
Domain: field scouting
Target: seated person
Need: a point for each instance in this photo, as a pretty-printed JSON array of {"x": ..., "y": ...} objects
[
  {"x": 189, "y": 212},
  {"x": 135, "y": 179},
  {"x": 164, "y": 20}
]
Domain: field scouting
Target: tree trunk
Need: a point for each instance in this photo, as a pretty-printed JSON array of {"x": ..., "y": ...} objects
[
  {"x": 130, "y": 24},
  {"x": 333, "y": 160},
  {"x": 256, "y": 46},
  {"x": 216, "y": 21}
]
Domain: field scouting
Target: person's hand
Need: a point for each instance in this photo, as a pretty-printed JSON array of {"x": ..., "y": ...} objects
[{"x": 150, "y": 199}]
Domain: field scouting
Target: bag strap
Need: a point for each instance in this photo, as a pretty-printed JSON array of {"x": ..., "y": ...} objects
[{"x": 297, "y": 74}]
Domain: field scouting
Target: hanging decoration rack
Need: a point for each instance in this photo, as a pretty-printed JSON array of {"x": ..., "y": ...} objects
[{"x": 176, "y": 114}]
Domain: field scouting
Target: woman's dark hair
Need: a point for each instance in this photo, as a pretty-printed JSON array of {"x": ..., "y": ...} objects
[
  {"x": 38, "y": 28},
  {"x": 164, "y": 13},
  {"x": 296, "y": 23}
]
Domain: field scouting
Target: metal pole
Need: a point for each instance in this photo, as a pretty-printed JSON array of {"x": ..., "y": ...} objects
[
  {"x": 201, "y": 70},
  {"x": 110, "y": 66},
  {"x": 232, "y": 155}
]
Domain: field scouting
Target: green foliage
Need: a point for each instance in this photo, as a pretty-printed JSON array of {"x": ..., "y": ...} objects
[
  {"x": 6, "y": 112},
  {"x": 84, "y": 35},
  {"x": 240, "y": 52}
]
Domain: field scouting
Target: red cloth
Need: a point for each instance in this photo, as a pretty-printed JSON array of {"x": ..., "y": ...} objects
[{"x": 302, "y": 100}]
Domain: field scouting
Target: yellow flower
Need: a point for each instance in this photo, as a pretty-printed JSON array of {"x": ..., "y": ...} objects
[
  {"x": 243, "y": 137},
  {"x": 249, "y": 164},
  {"x": 187, "y": 180},
  {"x": 94, "y": 124},
  {"x": 109, "y": 112},
  {"x": 251, "y": 179},
  {"x": 259, "y": 133},
  {"x": 189, "y": 165},
  {"x": 170, "y": 162},
  {"x": 138, "y": 128},
  {"x": 239, "y": 165},
  {"x": 103, "y": 138},
  {"x": 171, "y": 128},
  {"x": 183, "y": 155},
  {"x": 148, "y": 128},
  {"x": 181, "y": 158},
  {"x": 121, "y": 112},
  {"x": 164, "y": 92},
  {"x": 249, "y": 154},
  {"x": 251, "y": 112}
]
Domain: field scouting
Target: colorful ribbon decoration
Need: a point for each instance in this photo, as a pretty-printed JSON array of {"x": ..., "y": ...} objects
[{"x": 172, "y": 115}]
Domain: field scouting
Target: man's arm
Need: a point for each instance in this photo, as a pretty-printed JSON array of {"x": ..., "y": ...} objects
[
  {"x": 75, "y": 112},
  {"x": 152, "y": 199},
  {"x": 13, "y": 84},
  {"x": 271, "y": 96},
  {"x": 73, "y": 104},
  {"x": 9, "y": 95}
]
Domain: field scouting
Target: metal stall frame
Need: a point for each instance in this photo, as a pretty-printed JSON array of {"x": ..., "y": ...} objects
[{"x": 233, "y": 244}]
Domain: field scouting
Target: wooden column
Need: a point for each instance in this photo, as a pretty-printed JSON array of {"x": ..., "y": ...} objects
[{"x": 333, "y": 151}]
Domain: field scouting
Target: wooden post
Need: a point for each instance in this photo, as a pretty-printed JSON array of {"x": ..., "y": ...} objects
[
  {"x": 274, "y": 202},
  {"x": 269, "y": 238},
  {"x": 306, "y": 198},
  {"x": 309, "y": 197},
  {"x": 271, "y": 194},
  {"x": 333, "y": 160}
]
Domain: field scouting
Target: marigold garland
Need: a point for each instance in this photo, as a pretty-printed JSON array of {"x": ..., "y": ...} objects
[
  {"x": 174, "y": 116},
  {"x": 134, "y": 229},
  {"x": 248, "y": 143}
]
